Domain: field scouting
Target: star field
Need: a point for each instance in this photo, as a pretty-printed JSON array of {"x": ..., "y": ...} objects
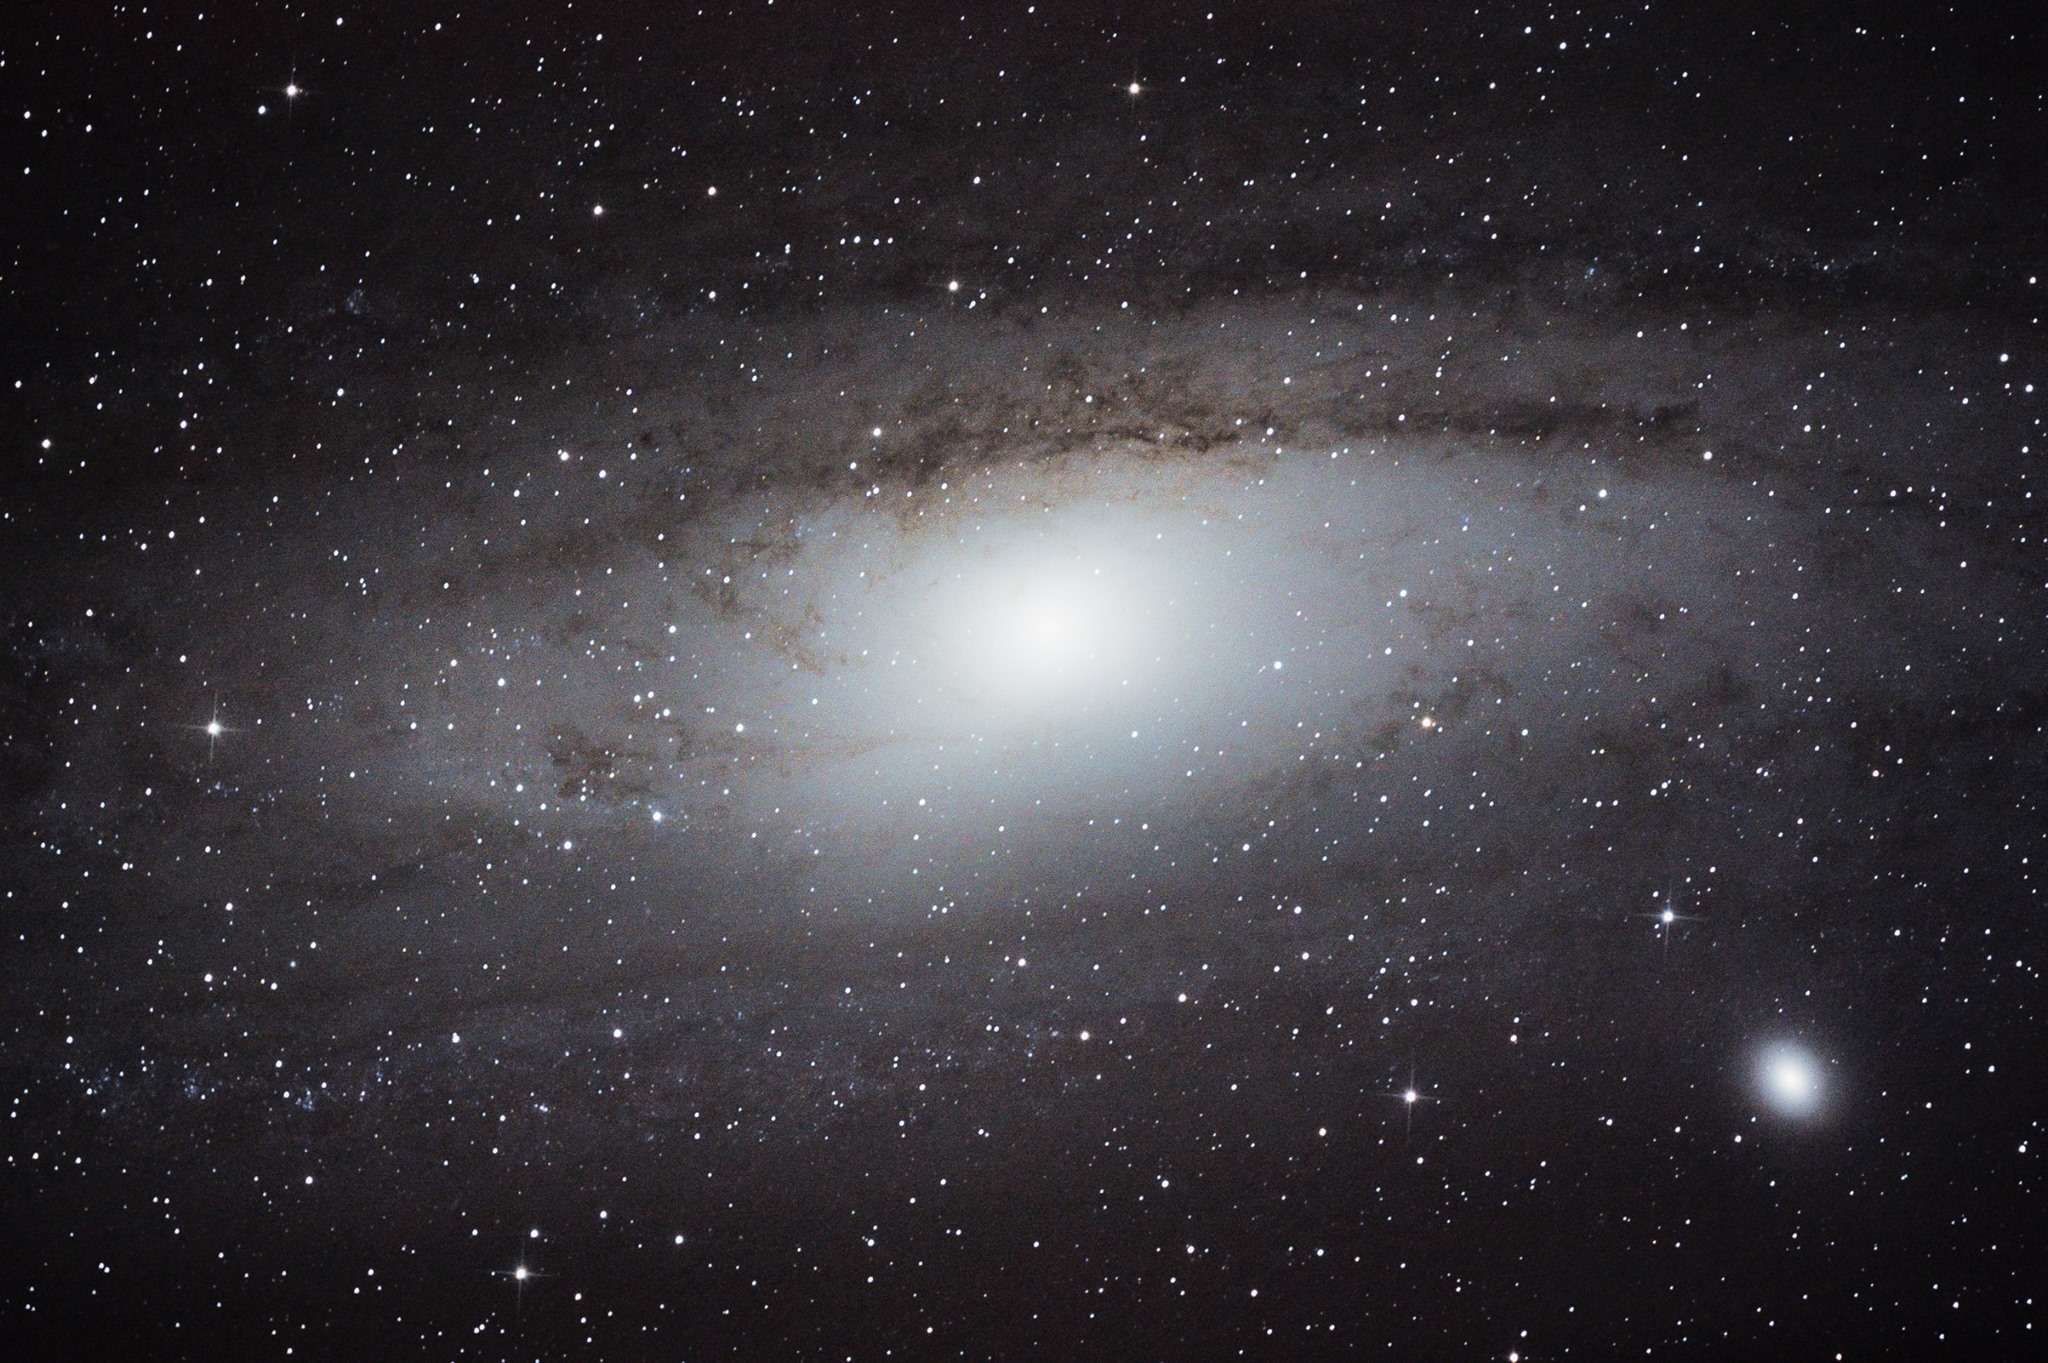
[{"x": 869, "y": 683}]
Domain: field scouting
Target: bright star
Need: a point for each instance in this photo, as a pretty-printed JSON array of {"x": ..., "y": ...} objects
[
  {"x": 1667, "y": 918},
  {"x": 1411, "y": 1097},
  {"x": 213, "y": 729}
]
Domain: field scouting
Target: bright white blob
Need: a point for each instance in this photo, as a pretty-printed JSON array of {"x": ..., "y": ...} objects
[
  {"x": 1790, "y": 1078},
  {"x": 1039, "y": 633},
  {"x": 1040, "y": 626}
]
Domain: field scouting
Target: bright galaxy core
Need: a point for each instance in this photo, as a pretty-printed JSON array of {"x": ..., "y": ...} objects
[{"x": 1790, "y": 1077}]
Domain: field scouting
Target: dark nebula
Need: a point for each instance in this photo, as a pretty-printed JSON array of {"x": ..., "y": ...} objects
[{"x": 834, "y": 682}]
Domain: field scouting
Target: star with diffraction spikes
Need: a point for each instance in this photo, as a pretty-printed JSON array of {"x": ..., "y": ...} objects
[
  {"x": 214, "y": 730},
  {"x": 520, "y": 1275},
  {"x": 1667, "y": 917},
  {"x": 1410, "y": 1095}
]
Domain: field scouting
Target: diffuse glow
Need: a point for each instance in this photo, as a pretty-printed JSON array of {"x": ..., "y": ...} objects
[
  {"x": 1038, "y": 635},
  {"x": 1790, "y": 1078}
]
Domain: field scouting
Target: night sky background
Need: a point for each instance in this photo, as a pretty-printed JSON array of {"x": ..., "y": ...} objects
[{"x": 848, "y": 682}]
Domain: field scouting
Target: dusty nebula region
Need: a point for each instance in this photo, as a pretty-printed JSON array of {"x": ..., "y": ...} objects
[
  {"x": 1274, "y": 599},
  {"x": 778, "y": 788},
  {"x": 1262, "y": 560}
]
